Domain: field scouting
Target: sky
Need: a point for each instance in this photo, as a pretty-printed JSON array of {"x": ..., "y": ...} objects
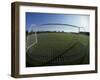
[{"x": 36, "y": 19}]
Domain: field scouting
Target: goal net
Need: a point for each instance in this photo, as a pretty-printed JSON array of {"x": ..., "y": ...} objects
[{"x": 31, "y": 37}]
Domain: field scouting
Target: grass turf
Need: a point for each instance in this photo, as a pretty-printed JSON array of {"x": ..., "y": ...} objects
[{"x": 58, "y": 49}]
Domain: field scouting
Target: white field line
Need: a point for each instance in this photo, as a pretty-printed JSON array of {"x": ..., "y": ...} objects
[{"x": 30, "y": 46}]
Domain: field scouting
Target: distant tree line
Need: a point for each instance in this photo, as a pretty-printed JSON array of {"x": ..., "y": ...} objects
[
  {"x": 29, "y": 33},
  {"x": 86, "y": 33}
]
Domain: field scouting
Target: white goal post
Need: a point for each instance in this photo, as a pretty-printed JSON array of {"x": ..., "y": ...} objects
[{"x": 29, "y": 43}]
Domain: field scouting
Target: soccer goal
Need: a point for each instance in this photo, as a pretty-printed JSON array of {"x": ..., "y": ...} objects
[{"x": 34, "y": 30}]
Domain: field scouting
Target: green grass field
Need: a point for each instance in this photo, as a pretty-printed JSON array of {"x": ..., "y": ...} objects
[{"x": 58, "y": 49}]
